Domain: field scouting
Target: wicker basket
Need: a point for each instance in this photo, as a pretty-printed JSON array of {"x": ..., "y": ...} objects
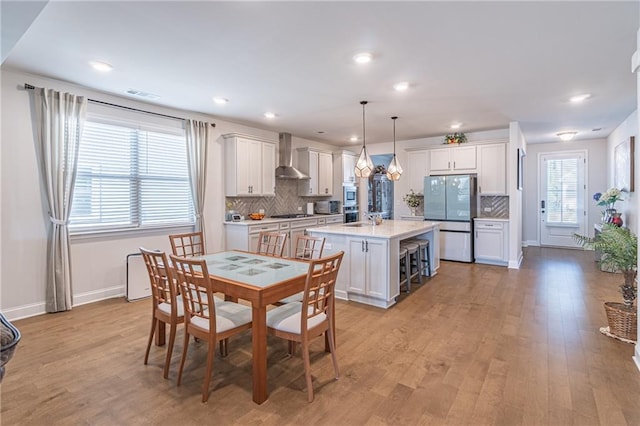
[{"x": 623, "y": 320}]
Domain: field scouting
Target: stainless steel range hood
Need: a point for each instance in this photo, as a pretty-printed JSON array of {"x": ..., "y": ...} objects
[{"x": 285, "y": 169}]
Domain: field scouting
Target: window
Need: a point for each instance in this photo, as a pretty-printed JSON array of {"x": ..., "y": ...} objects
[
  {"x": 562, "y": 191},
  {"x": 130, "y": 177}
]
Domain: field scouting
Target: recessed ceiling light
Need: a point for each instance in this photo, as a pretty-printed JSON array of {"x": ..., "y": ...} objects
[
  {"x": 456, "y": 125},
  {"x": 566, "y": 136},
  {"x": 220, "y": 101},
  {"x": 363, "y": 57},
  {"x": 579, "y": 98},
  {"x": 401, "y": 87},
  {"x": 353, "y": 139},
  {"x": 270, "y": 114},
  {"x": 101, "y": 66}
]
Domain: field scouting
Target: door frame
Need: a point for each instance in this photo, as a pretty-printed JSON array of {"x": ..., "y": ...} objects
[{"x": 585, "y": 153}]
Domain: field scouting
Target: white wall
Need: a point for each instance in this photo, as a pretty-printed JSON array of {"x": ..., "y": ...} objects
[
  {"x": 628, "y": 207},
  {"x": 516, "y": 142},
  {"x": 596, "y": 182},
  {"x": 98, "y": 264}
]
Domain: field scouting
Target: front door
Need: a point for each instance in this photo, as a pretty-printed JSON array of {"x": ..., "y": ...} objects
[{"x": 562, "y": 197}]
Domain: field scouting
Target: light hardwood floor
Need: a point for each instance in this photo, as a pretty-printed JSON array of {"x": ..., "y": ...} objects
[{"x": 474, "y": 345}]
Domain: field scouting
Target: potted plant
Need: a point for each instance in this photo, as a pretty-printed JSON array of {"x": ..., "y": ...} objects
[
  {"x": 619, "y": 249},
  {"x": 412, "y": 201},
  {"x": 455, "y": 138}
]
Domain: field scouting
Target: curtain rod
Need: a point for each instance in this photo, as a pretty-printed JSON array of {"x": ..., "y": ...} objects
[{"x": 31, "y": 87}]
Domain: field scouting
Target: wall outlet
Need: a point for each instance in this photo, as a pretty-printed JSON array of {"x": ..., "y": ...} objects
[
  {"x": 300, "y": 208},
  {"x": 487, "y": 209}
]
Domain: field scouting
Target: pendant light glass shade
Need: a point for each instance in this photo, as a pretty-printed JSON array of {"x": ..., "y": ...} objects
[
  {"x": 364, "y": 165},
  {"x": 394, "y": 171}
]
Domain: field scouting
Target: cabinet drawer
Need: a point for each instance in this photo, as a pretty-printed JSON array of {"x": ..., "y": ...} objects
[
  {"x": 255, "y": 229},
  {"x": 322, "y": 221},
  {"x": 334, "y": 219},
  {"x": 309, "y": 223},
  {"x": 285, "y": 225},
  {"x": 489, "y": 225}
]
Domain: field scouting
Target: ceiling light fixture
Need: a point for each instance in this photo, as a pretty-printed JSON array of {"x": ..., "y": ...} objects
[
  {"x": 269, "y": 114},
  {"x": 220, "y": 101},
  {"x": 364, "y": 165},
  {"x": 456, "y": 125},
  {"x": 401, "y": 87},
  {"x": 363, "y": 57},
  {"x": 394, "y": 171},
  {"x": 566, "y": 136},
  {"x": 101, "y": 66},
  {"x": 579, "y": 98}
]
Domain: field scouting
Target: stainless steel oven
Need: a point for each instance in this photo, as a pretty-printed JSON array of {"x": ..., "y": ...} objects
[{"x": 350, "y": 214}]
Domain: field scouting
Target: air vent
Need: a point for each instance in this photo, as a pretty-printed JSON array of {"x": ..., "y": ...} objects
[{"x": 142, "y": 94}]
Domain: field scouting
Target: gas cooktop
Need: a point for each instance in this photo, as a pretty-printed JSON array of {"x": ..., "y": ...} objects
[{"x": 290, "y": 215}]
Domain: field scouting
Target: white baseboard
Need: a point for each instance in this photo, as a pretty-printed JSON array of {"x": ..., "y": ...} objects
[
  {"x": 33, "y": 309},
  {"x": 530, "y": 243}
]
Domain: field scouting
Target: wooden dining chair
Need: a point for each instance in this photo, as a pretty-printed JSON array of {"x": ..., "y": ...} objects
[
  {"x": 205, "y": 318},
  {"x": 314, "y": 316},
  {"x": 166, "y": 305},
  {"x": 187, "y": 245},
  {"x": 308, "y": 247},
  {"x": 271, "y": 243}
]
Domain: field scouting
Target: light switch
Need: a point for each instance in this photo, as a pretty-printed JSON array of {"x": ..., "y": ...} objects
[{"x": 487, "y": 209}]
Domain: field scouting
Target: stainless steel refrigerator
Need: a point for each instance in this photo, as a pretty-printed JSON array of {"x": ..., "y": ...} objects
[
  {"x": 451, "y": 200},
  {"x": 381, "y": 195}
]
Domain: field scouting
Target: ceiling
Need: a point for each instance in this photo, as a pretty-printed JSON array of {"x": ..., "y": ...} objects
[{"x": 483, "y": 64}]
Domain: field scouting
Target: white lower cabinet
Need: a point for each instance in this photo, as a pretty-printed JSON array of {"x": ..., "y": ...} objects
[
  {"x": 491, "y": 241},
  {"x": 368, "y": 267}
]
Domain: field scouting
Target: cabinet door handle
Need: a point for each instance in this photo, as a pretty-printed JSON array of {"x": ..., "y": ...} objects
[
  {"x": 449, "y": 165},
  {"x": 367, "y": 246},
  {"x": 454, "y": 164},
  {"x": 362, "y": 245},
  {"x": 480, "y": 190}
]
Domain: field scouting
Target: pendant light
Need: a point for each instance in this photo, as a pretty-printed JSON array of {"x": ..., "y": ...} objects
[
  {"x": 364, "y": 165},
  {"x": 394, "y": 171}
]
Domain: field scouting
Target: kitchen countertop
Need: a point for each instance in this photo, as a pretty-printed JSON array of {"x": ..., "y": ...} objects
[
  {"x": 247, "y": 222},
  {"x": 387, "y": 230}
]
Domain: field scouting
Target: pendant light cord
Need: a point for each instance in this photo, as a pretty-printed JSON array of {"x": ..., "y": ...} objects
[
  {"x": 364, "y": 139},
  {"x": 394, "y": 135}
]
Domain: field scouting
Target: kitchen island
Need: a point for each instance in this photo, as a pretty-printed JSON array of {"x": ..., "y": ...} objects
[{"x": 370, "y": 268}]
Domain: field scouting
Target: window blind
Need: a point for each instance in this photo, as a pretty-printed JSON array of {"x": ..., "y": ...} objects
[
  {"x": 562, "y": 191},
  {"x": 130, "y": 178}
]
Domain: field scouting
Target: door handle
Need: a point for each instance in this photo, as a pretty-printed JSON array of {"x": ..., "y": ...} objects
[{"x": 542, "y": 204}]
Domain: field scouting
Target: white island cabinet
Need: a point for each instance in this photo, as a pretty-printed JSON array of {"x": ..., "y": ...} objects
[{"x": 370, "y": 268}]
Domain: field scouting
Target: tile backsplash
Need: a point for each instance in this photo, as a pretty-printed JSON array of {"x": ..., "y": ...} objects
[
  {"x": 285, "y": 201},
  {"x": 498, "y": 205}
]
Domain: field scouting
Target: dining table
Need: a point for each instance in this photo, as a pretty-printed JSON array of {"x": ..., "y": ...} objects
[{"x": 262, "y": 281}]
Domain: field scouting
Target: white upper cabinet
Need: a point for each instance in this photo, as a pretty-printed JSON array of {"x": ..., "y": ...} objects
[
  {"x": 416, "y": 170},
  {"x": 455, "y": 159},
  {"x": 318, "y": 166},
  {"x": 250, "y": 164},
  {"x": 492, "y": 169}
]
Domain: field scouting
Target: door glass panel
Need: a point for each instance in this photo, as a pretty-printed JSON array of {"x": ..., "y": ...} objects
[{"x": 562, "y": 191}]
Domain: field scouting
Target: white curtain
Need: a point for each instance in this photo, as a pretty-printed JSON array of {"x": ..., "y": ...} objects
[
  {"x": 197, "y": 144},
  {"x": 59, "y": 119}
]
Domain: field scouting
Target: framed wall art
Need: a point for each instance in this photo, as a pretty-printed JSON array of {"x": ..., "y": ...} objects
[{"x": 623, "y": 165}]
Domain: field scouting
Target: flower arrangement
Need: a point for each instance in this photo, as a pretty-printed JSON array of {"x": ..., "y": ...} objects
[
  {"x": 412, "y": 199},
  {"x": 609, "y": 198},
  {"x": 455, "y": 138}
]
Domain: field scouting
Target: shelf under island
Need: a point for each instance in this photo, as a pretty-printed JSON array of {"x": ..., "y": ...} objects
[{"x": 370, "y": 271}]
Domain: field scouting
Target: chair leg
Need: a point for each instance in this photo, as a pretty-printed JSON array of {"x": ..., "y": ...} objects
[
  {"x": 224, "y": 347},
  {"x": 207, "y": 378},
  {"x": 172, "y": 339},
  {"x": 151, "y": 333},
  {"x": 307, "y": 369},
  {"x": 291, "y": 347},
  {"x": 184, "y": 355},
  {"x": 332, "y": 345}
]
